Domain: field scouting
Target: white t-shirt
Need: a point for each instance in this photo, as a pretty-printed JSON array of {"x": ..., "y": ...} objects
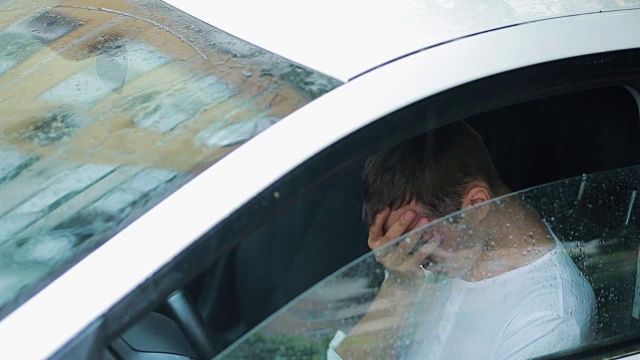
[{"x": 541, "y": 308}]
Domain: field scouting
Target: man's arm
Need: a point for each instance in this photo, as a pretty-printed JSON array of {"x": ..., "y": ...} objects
[{"x": 380, "y": 331}]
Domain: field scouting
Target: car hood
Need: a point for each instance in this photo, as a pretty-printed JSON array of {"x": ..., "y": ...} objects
[{"x": 346, "y": 38}]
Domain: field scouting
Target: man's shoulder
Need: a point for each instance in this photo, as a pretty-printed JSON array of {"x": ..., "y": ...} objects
[
  {"x": 551, "y": 283},
  {"x": 554, "y": 287}
]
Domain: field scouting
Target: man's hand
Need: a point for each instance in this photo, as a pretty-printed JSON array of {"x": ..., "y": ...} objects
[
  {"x": 381, "y": 330},
  {"x": 401, "y": 259}
]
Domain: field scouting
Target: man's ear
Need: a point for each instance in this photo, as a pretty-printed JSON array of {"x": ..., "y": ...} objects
[{"x": 477, "y": 193}]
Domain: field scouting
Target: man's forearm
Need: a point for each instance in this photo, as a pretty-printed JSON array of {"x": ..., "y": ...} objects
[{"x": 379, "y": 332}]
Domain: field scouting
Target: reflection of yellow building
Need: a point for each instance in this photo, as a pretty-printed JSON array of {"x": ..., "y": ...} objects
[
  {"x": 108, "y": 108},
  {"x": 85, "y": 81}
]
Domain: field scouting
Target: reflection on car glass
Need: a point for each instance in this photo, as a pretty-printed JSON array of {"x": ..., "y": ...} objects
[
  {"x": 12, "y": 162},
  {"x": 222, "y": 134},
  {"x": 25, "y": 38},
  {"x": 109, "y": 108},
  {"x": 595, "y": 222},
  {"x": 163, "y": 109},
  {"x": 56, "y": 126},
  {"x": 111, "y": 69},
  {"x": 38, "y": 230},
  {"x": 50, "y": 26},
  {"x": 26, "y": 207},
  {"x": 116, "y": 205}
]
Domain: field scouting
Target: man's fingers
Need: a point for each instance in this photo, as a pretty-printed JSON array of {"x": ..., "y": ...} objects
[
  {"x": 442, "y": 255},
  {"x": 402, "y": 250},
  {"x": 375, "y": 230},
  {"x": 429, "y": 248},
  {"x": 422, "y": 222},
  {"x": 423, "y": 252},
  {"x": 428, "y": 235},
  {"x": 401, "y": 225},
  {"x": 397, "y": 255},
  {"x": 406, "y": 245}
]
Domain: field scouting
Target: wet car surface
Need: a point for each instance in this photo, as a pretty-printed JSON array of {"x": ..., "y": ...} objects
[{"x": 153, "y": 152}]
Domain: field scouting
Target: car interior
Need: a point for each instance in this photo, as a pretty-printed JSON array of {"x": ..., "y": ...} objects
[{"x": 532, "y": 143}]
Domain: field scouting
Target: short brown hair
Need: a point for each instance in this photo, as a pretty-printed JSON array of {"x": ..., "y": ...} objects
[{"x": 434, "y": 169}]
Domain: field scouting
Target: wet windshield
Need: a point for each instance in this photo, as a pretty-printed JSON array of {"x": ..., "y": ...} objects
[
  {"x": 544, "y": 270},
  {"x": 109, "y": 106}
]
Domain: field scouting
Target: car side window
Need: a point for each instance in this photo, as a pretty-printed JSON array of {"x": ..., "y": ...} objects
[
  {"x": 593, "y": 222},
  {"x": 296, "y": 249}
]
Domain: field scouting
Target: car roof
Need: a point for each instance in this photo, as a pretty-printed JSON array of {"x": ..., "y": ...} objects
[{"x": 344, "y": 39}]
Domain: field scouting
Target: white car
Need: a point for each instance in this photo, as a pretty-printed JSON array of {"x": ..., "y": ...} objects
[{"x": 181, "y": 179}]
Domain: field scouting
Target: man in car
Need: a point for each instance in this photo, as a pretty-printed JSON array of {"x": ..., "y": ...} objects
[{"x": 488, "y": 282}]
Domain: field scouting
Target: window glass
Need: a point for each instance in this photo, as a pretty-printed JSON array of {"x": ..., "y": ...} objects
[
  {"x": 544, "y": 270},
  {"x": 109, "y": 106}
]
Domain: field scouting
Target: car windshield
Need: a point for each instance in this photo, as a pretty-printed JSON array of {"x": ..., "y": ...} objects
[
  {"x": 108, "y": 107},
  {"x": 580, "y": 264}
]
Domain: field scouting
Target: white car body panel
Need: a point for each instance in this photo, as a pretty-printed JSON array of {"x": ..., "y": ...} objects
[
  {"x": 346, "y": 38},
  {"x": 59, "y": 312}
]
